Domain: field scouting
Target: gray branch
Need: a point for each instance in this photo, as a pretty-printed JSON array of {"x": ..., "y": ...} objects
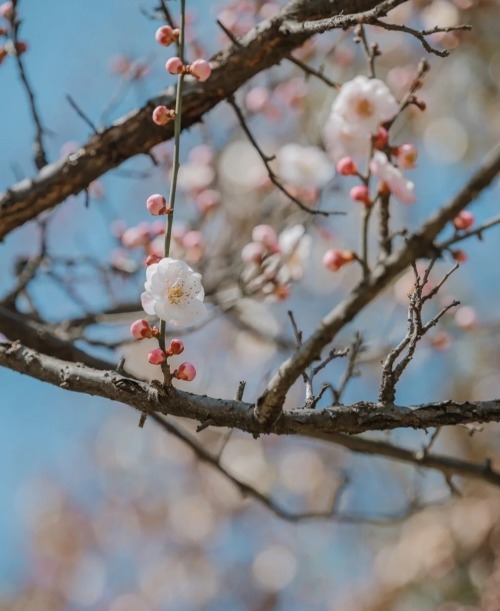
[
  {"x": 135, "y": 134},
  {"x": 333, "y": 425}
]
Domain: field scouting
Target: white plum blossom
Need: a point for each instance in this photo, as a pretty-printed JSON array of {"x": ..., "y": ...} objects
[
  {"x": 173, "y": 292},
  {"x": 295, "y": 246},
  {"x": 304, "y": 166},
  {"x": 398, "y": 184},
  {"x": 362, "y": 106},
  {"x": 365, "y": 104}
]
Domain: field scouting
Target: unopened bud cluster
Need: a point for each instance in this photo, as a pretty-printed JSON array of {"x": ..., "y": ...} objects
[
  {"x": 200, "y": 69},
  {"x": 18, "y": 47}
]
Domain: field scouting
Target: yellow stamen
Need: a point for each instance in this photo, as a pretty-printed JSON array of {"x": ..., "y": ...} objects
[
  {"x": 176, "y": 295},
  {"x": 364, "y": 108}
]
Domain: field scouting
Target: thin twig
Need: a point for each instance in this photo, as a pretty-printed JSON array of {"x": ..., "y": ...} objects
[
  {"x": 40, "y": 154},
  {"x": 421, "y": 34},
  {"x": 266, "y": 160},
  {"x": 81, "y": 114}
]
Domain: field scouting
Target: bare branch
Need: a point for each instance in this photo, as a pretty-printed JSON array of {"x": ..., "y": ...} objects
[
  {"x": 421, "y": 34},
  {"x": 136, "y": 134},
  {"x": 419, "y": 244},
  {"x": 329, "y": 424}
]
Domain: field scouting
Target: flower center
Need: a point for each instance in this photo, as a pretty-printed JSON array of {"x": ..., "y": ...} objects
[
  {"x": 364, "y": 108},
  {"x": 176, "y": 295}
]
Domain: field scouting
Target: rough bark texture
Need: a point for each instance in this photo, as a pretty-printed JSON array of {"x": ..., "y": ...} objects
[
  {"x": 136, "y": 133},
  {"x": 334, "y": 424},
  {"x": 420, "y": 244}
]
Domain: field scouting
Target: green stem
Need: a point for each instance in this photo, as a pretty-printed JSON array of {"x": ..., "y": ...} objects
[
  {"x": 364, "y": 239},
  {"x": 175, "y": 162}
]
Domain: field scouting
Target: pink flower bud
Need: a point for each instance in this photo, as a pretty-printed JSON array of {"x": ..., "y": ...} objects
[
  {"x": 157, "y": 356},
  {"x": 346, "y": 167},
  {"x": 174, "y": 65},
  {"x": 253, "y": 253},
  {"x": 21, "y": 47},
  {"x": 335, "y": 259},
  {"x": 162, "y": 115},
  {"x": 200, "y": 69},
  {"x": 459, "y": 255},
  {"x": 466, "y": 317},
  {"x": 381, "y": 139},
  {"x": 156, "y": 204},
  {"x": 152, "y": 259},
  {"x": 282, "y": 291},
  {"x": 266, "y": 235},
  {"x": 141, "y": 329},
  {"x": 406, "y": 156},
  {"x": 464, "y": 220},
  {"x": 193, "y": 239},
  {"x": 207, "y": 200},
  {"x": 135, "y": 237},
  {"x": 361, "y": 194},
  {"x": 186, "y": 372},
  {"x": 176, "y": 347},
  {"x": 441, "y": 341},
  {"x": 166, "y": 35},
  {"x": 7, "y": 10}
]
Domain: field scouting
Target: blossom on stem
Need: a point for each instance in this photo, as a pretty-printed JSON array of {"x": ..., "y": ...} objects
[
  {"x": 156, "y": 204},
  {"x": 185, "y": 371},
  {"x": 347, "y": 167},
  {"x": 392, "y": 178},
  {"x": 364, "y": 104},
  {"x": 266, "y": 235},
  {"x": 176, "y": 347},
  {"x": 162, "y": 115},
  {"x": 335, "y": 259},
  {"x": 157, "y": 356},
  {"x": 141, "y": 329},
  {"x": 173, "y": 292},
  {"x": 174, "y": 65},
  {"x": 406, "y": 156},
  {"x": 464, "y": 220},
  {"x": 360, "y": 193},
  {"x": 200, "y": 69},
  {"x": 7, "y": 10},
  {"x": 459, "y": 255},
  {"x": 166, "y": 35}
]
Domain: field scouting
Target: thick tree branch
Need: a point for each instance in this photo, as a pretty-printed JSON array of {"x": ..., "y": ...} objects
[
  {"x": 38, "y": 337},
  {"x": 136, "y": 134},
  {"x": 330, "y": 425},
  {"x": 418, "y": 245}
]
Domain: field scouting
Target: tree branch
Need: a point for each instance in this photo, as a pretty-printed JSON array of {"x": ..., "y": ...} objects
[
  {"x": 135, "y": 134},
  {"x": 330, "y": 424},
  {"x": 420, "y": 244}
]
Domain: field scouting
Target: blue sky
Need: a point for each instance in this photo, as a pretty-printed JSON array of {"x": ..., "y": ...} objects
[{"x": 45, "y": 429}]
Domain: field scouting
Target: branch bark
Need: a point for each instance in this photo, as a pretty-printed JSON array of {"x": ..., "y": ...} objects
[
  {"x": 333, "y": 425},
  {"x": 136, "y": 134},
  {"x": 420, "y": 244}
]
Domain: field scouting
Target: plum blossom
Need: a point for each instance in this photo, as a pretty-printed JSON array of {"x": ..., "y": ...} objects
[
  {"x": 341, "y": 140},
  {"x": 295, "y": 245},
  {"x": 358, "y": 112},
  {"x": 398, "y": 184},
  {"x": 464, "y": 220},
  {"x": 364, "y": 104},
  {"x": 304, "y": 166},
  {"x": 185, "y": 371},
  {"x": 173, "y": 292}
]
